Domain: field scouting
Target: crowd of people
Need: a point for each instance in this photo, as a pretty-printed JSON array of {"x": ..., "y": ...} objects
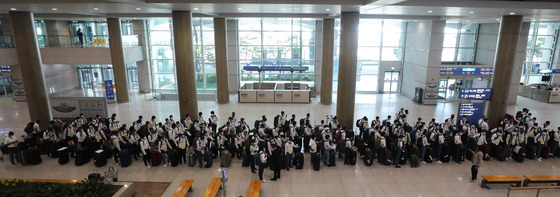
[{"x": 282, "y": 143}]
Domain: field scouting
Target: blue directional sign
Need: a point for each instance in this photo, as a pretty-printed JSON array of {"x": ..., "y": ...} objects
[
  {"x": 251, "y": 68},
  {"x": 275, "y": 68},
  {"x": 475, "y": 93},
  {"x": 472, "y": 111},
  {"x": 109, "y": 90}
]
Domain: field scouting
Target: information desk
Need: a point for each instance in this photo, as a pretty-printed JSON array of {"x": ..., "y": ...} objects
[
  {"x": 274, "y": 93},
  {"x": 539, "y": 93}
]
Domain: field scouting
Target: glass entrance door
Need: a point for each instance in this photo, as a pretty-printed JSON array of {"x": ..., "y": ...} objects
[
  {"x": 97, "y": 78},
  {"x": 6, "y": 88},
  {"x": 86, "y": 78},
  {"x": 391, "y": 81}
]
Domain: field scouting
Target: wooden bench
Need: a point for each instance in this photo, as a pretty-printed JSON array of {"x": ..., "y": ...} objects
[
  {"x": 214, "y": 187},
  {"x": 184, "y": 188},
  {"x": 532, "y": 188},
  {"x": 541, "y": 179},
  {"x": 497, "y": 179},
  {"x": 254, "y": 189}
]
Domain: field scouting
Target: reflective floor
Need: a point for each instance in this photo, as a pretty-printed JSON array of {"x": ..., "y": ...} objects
[{"x": 448, "y": 179}]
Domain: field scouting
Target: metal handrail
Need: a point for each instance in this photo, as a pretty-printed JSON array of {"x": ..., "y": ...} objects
[{"x": 532, "y": 188}]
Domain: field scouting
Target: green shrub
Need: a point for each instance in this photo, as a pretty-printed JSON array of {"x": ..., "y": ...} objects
[{"x": 89, "y": 188}]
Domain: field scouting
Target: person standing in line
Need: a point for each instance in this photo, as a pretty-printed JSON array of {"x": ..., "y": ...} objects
[
  {"x": 276, "y": 161},
  {"x": 254, "y": 150},
  {"x": 145, "y": 148},
  {"x": 477, "y": 161},
  {"x": 11, "y": 143},
  {"x": 262, "y": 160},
  {"x": 289, "y": 152}
]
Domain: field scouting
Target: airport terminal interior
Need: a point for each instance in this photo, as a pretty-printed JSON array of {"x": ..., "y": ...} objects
[{"x": 347, "y": 59}]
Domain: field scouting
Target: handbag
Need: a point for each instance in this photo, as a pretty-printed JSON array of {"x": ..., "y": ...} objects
[{"x": 111, "y": 175}]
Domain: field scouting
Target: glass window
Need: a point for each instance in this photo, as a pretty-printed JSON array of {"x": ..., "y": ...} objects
[
  {"x": 448, "y": 54},
  {"x": 368, "y": 53},
  {"x": 465, "y": 55},
  {"x": 249, "y": 38},
  {"x": 159, "y": 24},
  {"x": 162, "y": 52},
  {"x": 391, "y": 53},
  {"x": 459, "y": 42},
  {"x": 163, "y": 66}
]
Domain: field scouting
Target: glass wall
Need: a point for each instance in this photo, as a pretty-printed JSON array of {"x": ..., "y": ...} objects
[
  {"x": 459, "y": 43},
  {"x": 540, "y": 51},
  {"x": 277, "y": 42},
  {"x": 93, "y": 76},
  {"x": 161, "y": 55},
  {"x": 204, "y": 53},
  {"x": 378, "y": 40}
]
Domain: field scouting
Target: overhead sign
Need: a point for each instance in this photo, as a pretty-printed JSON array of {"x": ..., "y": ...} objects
[
  {"x": 275, "y": 68},
  {"x": 475, "y": 93},
  {"x": 549, "y": 71},
  {"x": 465, "y": 71},
  {"x": 109, "y": 90},
  {"x": 5, "y": 69},
  {"x": 472, "y": 111}
]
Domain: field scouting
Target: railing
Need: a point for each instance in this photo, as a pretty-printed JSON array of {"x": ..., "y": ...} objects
[
  {"x": 7, "y": 42},
  {"x": 533, "y": 188},
  {"x": 97, "y": 41}
]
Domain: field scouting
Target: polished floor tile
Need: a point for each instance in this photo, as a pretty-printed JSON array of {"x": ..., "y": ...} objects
[{"x": 448, "y": 179}]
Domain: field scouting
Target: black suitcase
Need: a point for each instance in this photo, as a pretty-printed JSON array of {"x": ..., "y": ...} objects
[
  {"x": 352, "y": 157},
  {"x": 174, "y": 157},
  {"x": 368, "y": 157},
  {"x": 34, "y": 156},
  {"x": 246, "y": 160},
  {"x": 94, "y": 176},
  {"x": 388, "y": 158},
  {"x": 315, "y": 161},
  {"x": 82, "y": 157},
  {"x": 332, "y": 158},
  {"x": 298, "y": 160},
  {"x": 530, "y": 152},
  {"x": 63, "y": 156},
  {"x": 501, "y": 154},
  {"x": 402, "y": 160},
  {"x": 519, "y": 155},
  {"x": 99, "y": 158},
  {"x": 124, "y": 155},
  {"x": 209, "y": 159},
  {"x": 414, "y": 163}
]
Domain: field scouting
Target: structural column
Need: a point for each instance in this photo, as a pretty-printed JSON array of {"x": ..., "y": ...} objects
[
  {"x": 347, "y": 68},
  {"x": 143, "y": 67},
  {"x": 508, "y": 37},
  {"x": 117, "y": 58},
  {"x": 29, "y": 56},
  {"x": 327, "y": 66},
  {"x": 184, "y": 62},
  {"x": 220, "y": 41}
]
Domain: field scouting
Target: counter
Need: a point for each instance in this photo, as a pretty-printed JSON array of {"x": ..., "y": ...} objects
[
  {"x": 539, "y": 94},
  {"x": 274, "y": 93}
]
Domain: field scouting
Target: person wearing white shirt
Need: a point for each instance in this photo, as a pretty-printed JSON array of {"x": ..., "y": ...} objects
[
  {"x": 326, "y": 152},
  {"x": 481, "y": 139},
  {"x": 540, "y": 142},
  {"x": 262, "y": 162},
  {"x": 312, "y": 146},
  {"x": 289, "y": 152},
  {"x": 182, "y": 142},
  {"x": 555, "y": 142},
  {"x": 11, "y": 143},
  {"x": 376, "y": 122},
  {"x": 49, "y": 137},
  {"x": 69, "y": 132},
  {"x": 439, "y": 140},
  {"x": 173, "y": 133},
  {"x": 145, "y": 149},
  {"x": 36, "y": 129},
  {"x": 163, "y": 147},
  {"x": 254, "y": 148},
  {"x": 333, "y": 123},
  {"x": 116, "y": 148},
  {"x": 484, "y": 125},
  {"x": 187, "y": 122},
  {"x": 134, "y": 143},
  {"x": 282, "y": 118},
  {"x": 458, "y": 148},
  {"x": 425, "y": 145},
  {"x": 213, "y": 120},
  {"x": 200, "y": 149},
  {"x": 81, "y": 136}
]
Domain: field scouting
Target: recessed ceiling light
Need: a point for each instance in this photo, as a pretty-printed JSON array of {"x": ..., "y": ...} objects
[
  {"x": 239, "y": 8},
  {"x": 133, "y": 18},
  {"x": 284, "y": 9},
  {"x": 468, "y": 21},
  {"x": 498, "y": 19},
  {"x": 328, "y": 9},
  {"x": 512, "y": 13},
  {"x": 138, "y": 8},
  {"x": 471, "y": 12},
  {"x": 429, "y": 11},
  {"x": 13, "y": 9},
  {"x": 415, "y": 20},
  {"x": 95, "y": 9},
  {"x": 54, "y": 9},
  {"x": 195, "y": 8}
]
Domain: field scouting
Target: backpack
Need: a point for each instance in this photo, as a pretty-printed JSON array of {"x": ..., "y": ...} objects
[
  {"x": 29, "y": 128},
  {"x": 358, "y": 123},
  {"x": 258, "y": 158}
]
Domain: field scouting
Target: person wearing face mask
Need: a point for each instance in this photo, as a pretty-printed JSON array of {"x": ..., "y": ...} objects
[
  {"x": 183, "y": 143},
  {"x": 49, "y": 137},
  {"x": 254, "y": 149},
  {"x": 145, "y": 148},
  {"x": 11, "y": 142}
]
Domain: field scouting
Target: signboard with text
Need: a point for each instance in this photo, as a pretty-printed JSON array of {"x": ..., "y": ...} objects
[
  {"x": 475, "y": 93},
  {"x": 472, "y": 111},
  {"x": 109, "y": 90},
  {"x": 466, "y": 71}
]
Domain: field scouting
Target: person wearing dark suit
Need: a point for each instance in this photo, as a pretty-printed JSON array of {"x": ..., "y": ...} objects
[{"x": 276, "y": 161}]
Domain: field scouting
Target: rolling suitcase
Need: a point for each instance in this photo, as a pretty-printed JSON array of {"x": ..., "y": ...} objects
[
  {"x": 414, "y": 163},
  {"x": 99, "y": 158},
  {"x": 332, "y": 158},
  {"x": 298, "y": 160},
  {"x": 209, "y": 159},
  {"x": 246, "y": 160},
  {"x": 402, "y": 160},
  {"x": 155, "y": 157},
  {"x": 192, "y": 159},
  {"x": 315, "y": 161},
  {"x": 501, "y": 154},
  {"x": 174, "y": 157},
  {"x": 82, "y": 157},
  {"x": 545, "y": 153},
  {"x": 124, "y": 155},
  {"x": 368, "y": 157},
  {"x": 518, "y": 154},
  {"x": 225, "y": 160},
  {"x": 388, "y": 158},
  {"x": 530, "y": 152},
  {"x": 352, "y": 159},
  {"x": 33, "y": 156},
  {"x": 63, "y": 156}
]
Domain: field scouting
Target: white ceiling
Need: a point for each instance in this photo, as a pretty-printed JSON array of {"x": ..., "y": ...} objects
[{"x": 460, "y": 10}]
